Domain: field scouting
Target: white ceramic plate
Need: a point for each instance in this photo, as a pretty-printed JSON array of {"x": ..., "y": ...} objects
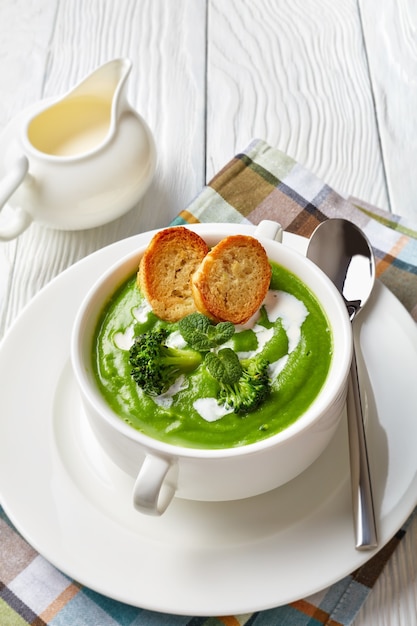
[{"x": 73, "y": 505}]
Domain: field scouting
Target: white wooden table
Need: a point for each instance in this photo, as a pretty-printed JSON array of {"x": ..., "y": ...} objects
[{"x": 331, "y": 82}]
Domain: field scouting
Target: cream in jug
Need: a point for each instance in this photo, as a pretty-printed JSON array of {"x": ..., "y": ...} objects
[{"x": 73, "y": 127}]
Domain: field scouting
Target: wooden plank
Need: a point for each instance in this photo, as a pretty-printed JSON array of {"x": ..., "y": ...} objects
[
  {"x": 26, "y": 30},
  {"x": 295, "y": 74},
  {"x": 390, "y": 36},
  {"x": 24, "y": 46}
]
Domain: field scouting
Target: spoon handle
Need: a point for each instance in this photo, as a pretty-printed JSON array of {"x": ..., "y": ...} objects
[{"x": 362, "y": 499}]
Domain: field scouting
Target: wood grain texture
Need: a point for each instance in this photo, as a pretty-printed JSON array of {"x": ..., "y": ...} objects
[
  {"x": 296, "y": 75},
  {"x": 24, "y": 47},
  {"x": 391, "y": 44}
]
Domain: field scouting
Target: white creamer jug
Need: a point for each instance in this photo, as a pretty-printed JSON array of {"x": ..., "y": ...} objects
[{"x": 78, "y": 161}]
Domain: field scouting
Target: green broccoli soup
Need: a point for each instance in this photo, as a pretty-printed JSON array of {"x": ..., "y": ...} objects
[{"x": 197, "y": 384}]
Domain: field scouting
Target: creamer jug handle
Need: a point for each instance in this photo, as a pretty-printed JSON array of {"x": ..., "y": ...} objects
[{"x": 20, "y": 219}]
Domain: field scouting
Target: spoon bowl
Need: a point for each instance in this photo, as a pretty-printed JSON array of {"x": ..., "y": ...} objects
[{"x": 343, "y": 252}]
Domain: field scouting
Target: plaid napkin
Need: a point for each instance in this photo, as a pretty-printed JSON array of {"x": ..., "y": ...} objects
[{"x": 260, "y": 183}]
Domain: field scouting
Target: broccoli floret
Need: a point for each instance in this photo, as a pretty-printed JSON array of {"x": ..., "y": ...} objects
[
  {"x": 155, "y": 366},
  {"x": 244, "y": 385}
]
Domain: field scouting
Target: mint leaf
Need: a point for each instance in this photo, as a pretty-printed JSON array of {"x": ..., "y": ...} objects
[{"x": 201, "y": 334}]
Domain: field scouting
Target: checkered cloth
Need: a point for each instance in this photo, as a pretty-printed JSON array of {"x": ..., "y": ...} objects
[{"x": 260, "y": 183}]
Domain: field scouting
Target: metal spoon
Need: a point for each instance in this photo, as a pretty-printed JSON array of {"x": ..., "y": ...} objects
[{"x": 343, "y": 252}]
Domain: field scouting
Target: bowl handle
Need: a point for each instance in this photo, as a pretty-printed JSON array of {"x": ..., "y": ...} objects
[
  {"x": 269, "y": 230},
  {"x": 155, "y": 485}
]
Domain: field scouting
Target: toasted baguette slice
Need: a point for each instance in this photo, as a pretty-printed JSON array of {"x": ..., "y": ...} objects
[
  {"x": 165, "y": 271},
  {"x": 232, "y": 280}
]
